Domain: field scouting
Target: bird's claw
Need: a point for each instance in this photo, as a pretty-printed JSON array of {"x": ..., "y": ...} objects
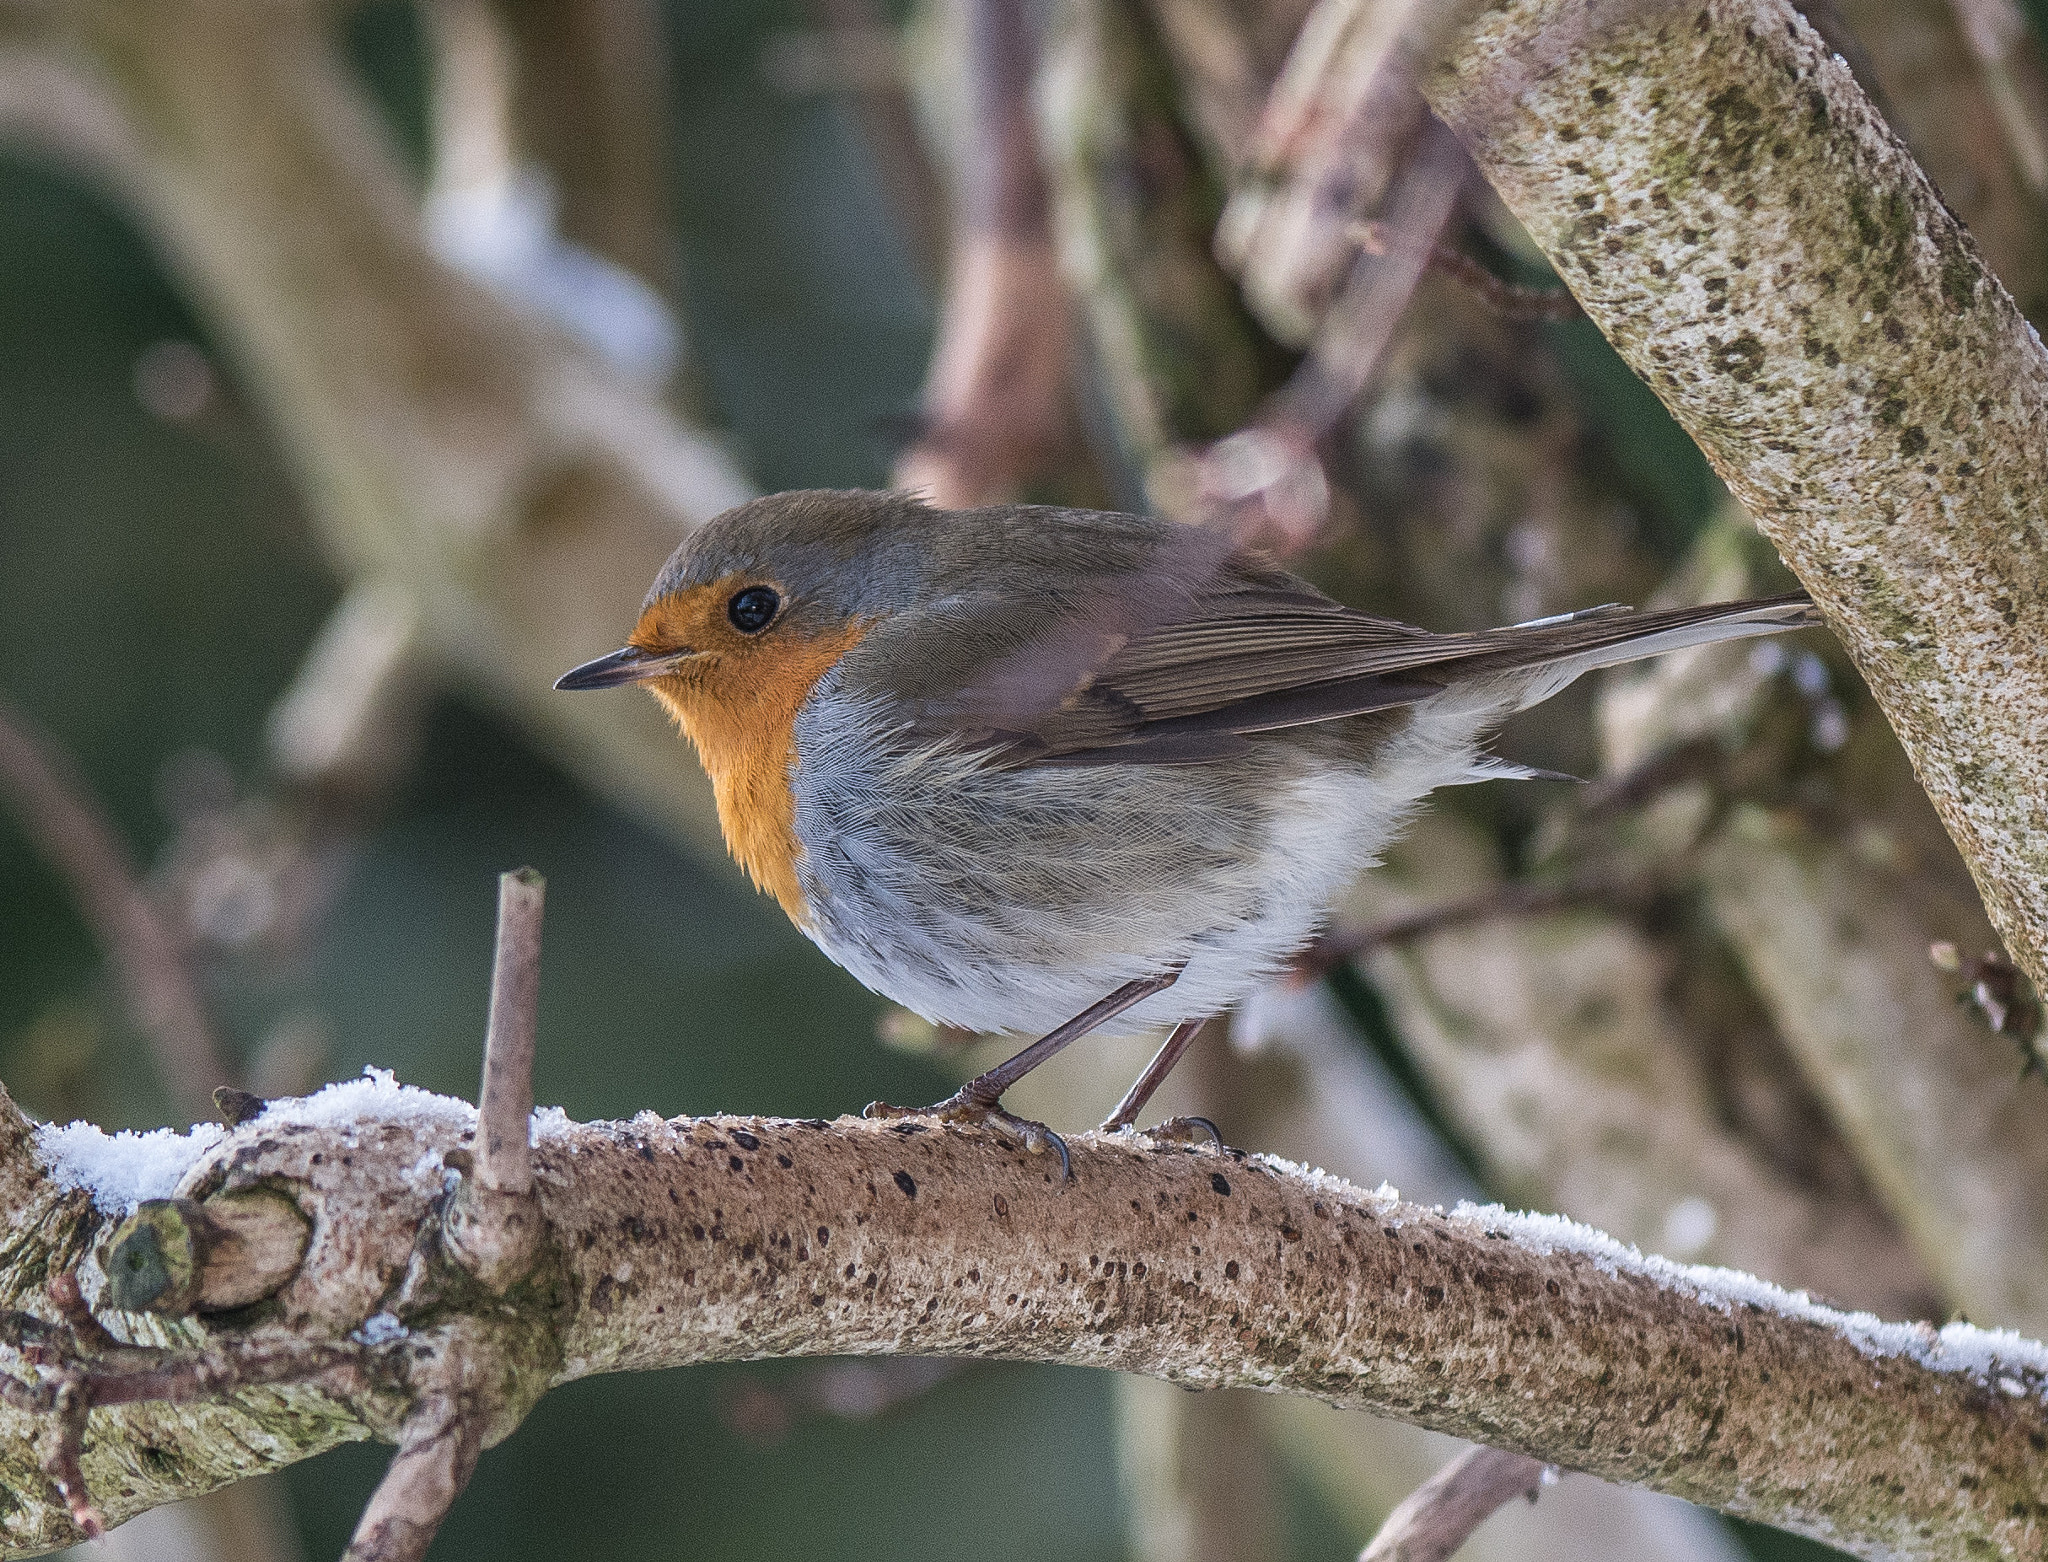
[
  {"x": 1176, "y": 1130},
  {"x": 974, "y": 1112}
]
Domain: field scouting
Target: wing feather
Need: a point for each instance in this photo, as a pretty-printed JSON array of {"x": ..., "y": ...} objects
[{"x": 1182, "y": 663}]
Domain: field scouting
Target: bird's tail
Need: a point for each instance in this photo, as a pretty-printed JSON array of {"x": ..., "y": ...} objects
[{"x": 1555, "y": 651}]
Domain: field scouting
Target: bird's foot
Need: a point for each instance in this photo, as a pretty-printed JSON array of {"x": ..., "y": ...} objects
[
  {"x": 971, "y": 1110},
  {"x": 1175, "y": 1130}
]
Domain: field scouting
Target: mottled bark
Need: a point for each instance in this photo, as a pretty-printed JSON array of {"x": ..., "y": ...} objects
[{"x": 1757, "y": 244}]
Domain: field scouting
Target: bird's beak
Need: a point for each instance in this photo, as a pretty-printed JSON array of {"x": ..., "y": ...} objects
[{"x": 628, "y": 664}]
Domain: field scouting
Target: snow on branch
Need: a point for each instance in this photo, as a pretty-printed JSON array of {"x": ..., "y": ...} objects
[{"x": 672, "y": 1242}]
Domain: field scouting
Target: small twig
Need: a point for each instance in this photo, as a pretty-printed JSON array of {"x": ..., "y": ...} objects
[
  {"x": 83, "y": 1367},
  {"x": 1510, "y": 300},
  {"x": 1355, "y": 333},
  {"x": 993, "y": 403},
  {"x": 1267, "y": 479},
  {"x": 1444, "y": 1510},
  {"x": 57, "y": 812},
  {"x": 504, "y": 1161},
  {"x": 494, "y": 1222},
  {"x": 437, "y": 1454},
  {"x": 1997, "y": 35},
  {"x": 63, "y": 1450},
  {"x": 1500, "y": 900}
]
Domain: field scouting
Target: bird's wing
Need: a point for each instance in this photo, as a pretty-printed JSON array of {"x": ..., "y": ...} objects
[{"x": 1182, "y": 664}]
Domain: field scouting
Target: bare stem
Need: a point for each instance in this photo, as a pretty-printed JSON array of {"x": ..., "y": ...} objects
[
  {"x": 504, "y": 1159},
  {"x": 1507, "y": 899},
  {"x": 58, "y": 813},
  {"x": 494, "y": 1225},
  {"x": 437, "y": 1454},
  {"x": 1445, "y": 1510},
  {"x": 994, "y": 399}
]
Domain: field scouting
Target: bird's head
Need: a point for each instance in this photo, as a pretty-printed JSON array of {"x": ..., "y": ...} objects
[{"x": 764, "y": 584}]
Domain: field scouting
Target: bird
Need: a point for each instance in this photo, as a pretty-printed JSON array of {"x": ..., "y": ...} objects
[{"x": 1028, "y": 768}]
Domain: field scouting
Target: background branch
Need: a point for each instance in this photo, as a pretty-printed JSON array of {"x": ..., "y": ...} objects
[
  {"x": 444, "y": 435},
  {"x": 55, "y": 810},
  {"x": 1445, "y": 1510}
]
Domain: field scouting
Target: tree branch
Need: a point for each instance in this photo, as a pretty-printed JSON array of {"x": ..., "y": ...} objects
[
  {"x": 738, "y": 1238},
  {"x": 57, "y": 812},
  {"x": 1445, "y": 1510},
  {"x": 1744, "y": 227},
  {"x": 995, "y": 397}
]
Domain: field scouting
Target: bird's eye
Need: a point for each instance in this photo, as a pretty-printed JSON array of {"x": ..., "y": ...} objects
[{"x": 753, "y": 609}]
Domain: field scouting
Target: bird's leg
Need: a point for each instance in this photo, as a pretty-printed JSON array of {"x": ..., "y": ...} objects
[
  {"x": 980, "y": 1099},
  {"x": 1162, "y": 1064}
]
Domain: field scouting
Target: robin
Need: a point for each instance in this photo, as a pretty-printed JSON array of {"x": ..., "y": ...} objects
[{"x": 1025, "y": 768}]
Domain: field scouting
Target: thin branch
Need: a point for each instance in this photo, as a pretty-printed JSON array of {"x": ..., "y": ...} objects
[
  {"x": 504, "y": 1159},
  {"x": 494, "y": 1224},
  {"x": 437, "y": 1454},
  {"x": 1509, "y": 300},
  {"x": 1266, "y": 481},
  {"x": 994, "y": 403},
  {"x": 57, "y": 811},
  {"x": 1997, "y": 35},
  {"x": 1510, "y": 898},
  {"x": 1340, "y": 124},
  {"x": 1445, "y": 1510}
]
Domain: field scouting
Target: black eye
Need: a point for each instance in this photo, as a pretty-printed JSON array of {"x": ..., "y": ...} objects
[{"x": 753, "y": 609}]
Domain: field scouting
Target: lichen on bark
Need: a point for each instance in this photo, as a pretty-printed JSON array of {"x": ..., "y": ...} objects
[{"x": 1760, "y": 248}]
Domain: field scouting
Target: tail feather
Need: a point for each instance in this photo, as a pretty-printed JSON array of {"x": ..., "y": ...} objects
[{"x": 1560, "y": 652}]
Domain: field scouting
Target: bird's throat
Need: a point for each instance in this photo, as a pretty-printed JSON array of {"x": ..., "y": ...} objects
[{"x": 740, "y": 712}]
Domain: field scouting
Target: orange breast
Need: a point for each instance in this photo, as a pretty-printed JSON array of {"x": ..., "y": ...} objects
[{"x": 739, "y": 709}]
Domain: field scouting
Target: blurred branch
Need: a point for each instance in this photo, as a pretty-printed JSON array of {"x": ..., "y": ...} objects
[
  {"x": 1554, "y": 1046},
  {"x": 1445, "y": 1510},
  {"x": 994, "y": 402},
  {"x": 1173, "y": 360},
  {"x": 858, "y": 53},
  {"x": 1197, "y": 1476},
  {"x": 1955, "y": 1141},
  {"x": 57, "y": 812},
  {"x": 1894, "y": 1441},
  {"x": 1830, "y": 909},
  {"x": 1997, "y": 35},
  {"x": 1512, "y": 898},
  {"x": 1340, "y": 124},
  {"x": 443, "y": 435},
  {"x": 1919, "y": 61},
  {"x": 1819, "y": 322},
  {"x": 1287, "y": 499},
  {"x": 590, "y": 106},
  {"x": 1224, "y": 86}
]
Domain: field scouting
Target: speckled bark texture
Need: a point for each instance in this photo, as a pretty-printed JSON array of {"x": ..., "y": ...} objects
[
  {"x": 1756, "y": 243},
  {"x": 732, "y": 1239}
]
